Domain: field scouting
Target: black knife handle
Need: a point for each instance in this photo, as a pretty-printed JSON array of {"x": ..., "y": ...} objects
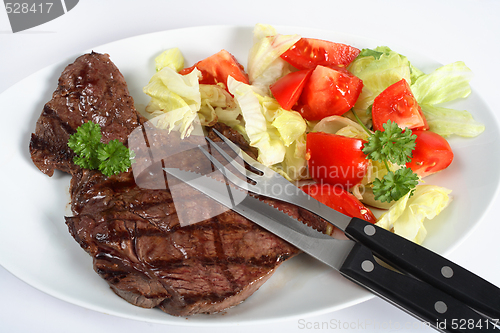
[
  {"x": 428, "y": 266},
  {"x": 434, "y": 307}
]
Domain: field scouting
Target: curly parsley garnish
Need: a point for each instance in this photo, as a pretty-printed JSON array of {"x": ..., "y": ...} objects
[
  {"x": 395, "y": 185},
  {"x": 393, "y": 144},
  {"x": 396, "y": 146},
  {"x": 111, "y": 158},
  {"x": 84, "y": 143}
]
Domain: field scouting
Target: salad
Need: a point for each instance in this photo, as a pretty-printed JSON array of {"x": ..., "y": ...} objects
[{"x": 355, "y": 128}]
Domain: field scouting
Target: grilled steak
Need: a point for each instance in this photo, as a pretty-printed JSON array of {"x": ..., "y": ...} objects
[
  {"x": 133, "y": 233},
  {"x": 91, "y": 88}
]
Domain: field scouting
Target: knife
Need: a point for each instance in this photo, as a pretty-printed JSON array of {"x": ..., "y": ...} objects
[
  {"x": 352, "y": 259},
  {"x": 399, "y": 252}
]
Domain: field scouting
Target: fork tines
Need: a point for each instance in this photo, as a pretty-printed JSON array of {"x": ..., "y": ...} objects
[
  {"x": 263, "y": 180},
  {"x": 237, "y": 163}
]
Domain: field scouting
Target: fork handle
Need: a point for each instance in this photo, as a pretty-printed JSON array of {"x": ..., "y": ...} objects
[
  {"x": 434, "y": 307},
  {"x": 428, "y": 266}
]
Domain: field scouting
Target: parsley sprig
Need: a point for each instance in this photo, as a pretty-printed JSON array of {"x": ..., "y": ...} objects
[
  {"x": 111, "y": 158},
  {"x": 395, "y": 185},
  {"x": 391, "y": 145}
]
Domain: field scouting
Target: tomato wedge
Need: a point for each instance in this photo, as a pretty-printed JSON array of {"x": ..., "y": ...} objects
[
  {"x": 432, "y": 153},
  {"x": 217, "y": 68},
  {"x": 307, "y": 53},
  {"x": 328, "y": 92},
  {"x": 398, "y": 104},
  {"x": 336, "y": 159},
  {"x": 287, "y": 89},
  {"x": 340, "y": 200}
]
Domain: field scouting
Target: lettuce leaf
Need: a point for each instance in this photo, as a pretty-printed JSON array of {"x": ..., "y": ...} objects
[
  {"x": 378, "y": 68},
  {"x": 172, "y": 58},
  {"x": 406, "y": 217},
  {"x": 294, "y": 165},
  {"x": 179, "y": 100},
  {"x": 168, "y": 85},
  {"x": 415, "y": 73},
  {"x": 278, "y": 134},
  {"x": 264, "y": 63},
  {"x": 446, "y": 84},
  {"x": 446, "y": 122},
  {"x": 341, "y": 126},
  {"x": 258, "y": 130},
  {"x": 217, "y": 105},
  {"x": 290, "y": 126},
  {"x": 175, "y": 99}
]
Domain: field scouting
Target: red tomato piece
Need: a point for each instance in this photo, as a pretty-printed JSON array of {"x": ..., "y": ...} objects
[
  {"x": 340, "y": 200},
  {"x": 336, "y": 159},
  {"x": 329, "y": 92},
  {"x": 287, "y": 89},
  {"x": 217, "y": 68},
  {"x": 398, "y": 104},
  {"x": 432, "y": 153},
  {"x": 307, "y": 53}
]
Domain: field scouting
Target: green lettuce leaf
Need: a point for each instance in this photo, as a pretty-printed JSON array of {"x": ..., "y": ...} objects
[
  {"x": 290, "y": 126},
  {"x": 294, "y": 165},
  {"x": 406, "y": 217},
  {"x": 341, "y": 126},
  {"x": 217, "y": 105},
  {"x": 174, "y": 90},
  {"x": 278, "y": 134},
  {"x": 259, "y": 131},
  {"x": 415, "y": 73},
  {"x": 446, "y": 122},
  {"x": 264, "y": 63},
  {"x": 175, "y": 99},
  {"x": 172, "y": 58},
  {"x": 378, "y": 68},
  {"x": 446, "y": 84}
]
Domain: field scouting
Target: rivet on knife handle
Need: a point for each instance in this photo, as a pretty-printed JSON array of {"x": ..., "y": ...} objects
[{"x": 428, "y": 266}]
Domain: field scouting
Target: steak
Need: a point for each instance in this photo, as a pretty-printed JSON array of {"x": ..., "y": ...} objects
[
  {"x": 134, "y": 233},
  {"x": 91, "y": 88}
]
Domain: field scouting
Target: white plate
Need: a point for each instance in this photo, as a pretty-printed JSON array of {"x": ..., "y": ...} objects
[{"x": 35, "y": 244}]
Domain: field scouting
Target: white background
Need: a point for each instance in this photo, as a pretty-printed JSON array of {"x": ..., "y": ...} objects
[{"x": 446, "y": 31}]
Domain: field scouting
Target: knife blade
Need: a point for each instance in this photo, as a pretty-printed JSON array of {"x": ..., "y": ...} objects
[
  {"x": 302, "y": 236},
  {"x": 352, "y": 259}
]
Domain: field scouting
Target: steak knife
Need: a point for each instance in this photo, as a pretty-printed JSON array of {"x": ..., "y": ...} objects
[{"x": 355, "y": 261}]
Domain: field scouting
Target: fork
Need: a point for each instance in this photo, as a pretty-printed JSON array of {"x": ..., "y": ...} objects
[
  {"x": 264, "y": 181},
  {"x": 397, "y": 251}
]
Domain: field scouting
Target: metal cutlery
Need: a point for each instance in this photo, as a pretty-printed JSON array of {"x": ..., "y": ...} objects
[{"x": 432, "y": 288}]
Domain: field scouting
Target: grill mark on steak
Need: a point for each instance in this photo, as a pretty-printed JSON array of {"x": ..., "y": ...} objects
[
  {"x": 49, "y": 113},
  {"x": 133, "y": 233},
  {"x": 220, "y": 255},
  {"x": 46, "y": 153}
]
